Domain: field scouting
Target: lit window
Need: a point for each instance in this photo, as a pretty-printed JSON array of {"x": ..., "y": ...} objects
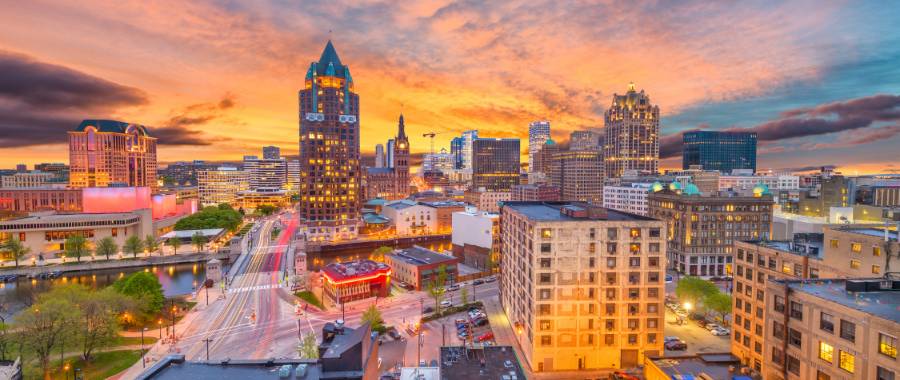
[
  {"x": 876, "y": 251},
  {"x": 546, "y": 233},
  {"x": 834, "y": 243},
  {"x": 635, "y": 232},
  {"x": 847, "y": 361},
  {"x": 887, "y": 345},
  {"x": 826, "y": 352},
  {"x": 856, "y": 247},
  {"x": 876, "y": 269},
  {"x": 854, "y": 264}
]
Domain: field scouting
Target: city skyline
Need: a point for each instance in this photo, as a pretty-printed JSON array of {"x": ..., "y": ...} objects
[{"x": 824, "y": 92}]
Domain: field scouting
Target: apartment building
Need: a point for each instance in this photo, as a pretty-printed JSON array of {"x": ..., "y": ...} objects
[
  {"x": 702, "y": 229},
  {"x": 487, "y": 200},
  {"x": 832, "y": 329},
  {"x": 860, "y": 251},
  {"x": 582, "y": 285},
  {"x": 628, "y": 198}
]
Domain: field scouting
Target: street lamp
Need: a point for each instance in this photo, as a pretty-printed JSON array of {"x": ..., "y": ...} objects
[
  {"x": 159, "y": 322},
  {"x": 688, "y": 306}
]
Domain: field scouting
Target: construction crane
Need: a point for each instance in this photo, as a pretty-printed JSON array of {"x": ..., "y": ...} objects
[{"x": 431, "y": 135}]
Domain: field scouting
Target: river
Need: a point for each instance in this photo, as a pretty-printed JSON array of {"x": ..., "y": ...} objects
[{"x": 176, "y": 280}]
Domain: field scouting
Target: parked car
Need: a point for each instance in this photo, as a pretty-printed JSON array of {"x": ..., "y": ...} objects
[
  {"x": 712, "y": 326},
  {"x": 480, "y": 321},
  {"x": 620, "y": 375},
  {"x": 453, "y": 287},
  {"x": 478, "y": 282},
  {"x": 394, "y": 334},
  {"x": 720, "y": 332},
  {"x": 490, "y": 279},
  {"x": 671, "y": 339},
  {"x": 702, "y": 322},
  {"x": 446, "y": 303},
  {"x": 428, "y": 310},
  {"x": 486, "y": 336},
  {"x": 676, "y": 345},
  {"x": 669, "y": 278}
]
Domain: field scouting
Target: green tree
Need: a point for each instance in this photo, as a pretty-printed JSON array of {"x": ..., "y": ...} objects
[
  {"x": 694, "y": 289},
  {"x": 198, "y": 240},
  {"x": 373, "y": 316},
  {"x": 151, "y": 243},
  {"x": 174, "y": 242},
  {"x": 464, "y": 295},
  {"x": 46, "y": 324},
  {"x": 145, "y": 290},
  {"x": 16, "y": 249},
  {"x": 76, "y": 246},
  {"x": 436, "y": 288},
  {"x": 221, "y": 216},
  {"x": 133, "y": 245},
  {"x": 107, "y": 246},
  {"x": 378, "y": 253},
  {"x": 266, "y": 209},
  {"x": 6, "y": 340},
  {"x": 719, "y": 303},
  {"x": 308, "y": 347}
]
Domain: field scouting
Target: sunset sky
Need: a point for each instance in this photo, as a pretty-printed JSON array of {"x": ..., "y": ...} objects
[{"x": 819, "y": 81}]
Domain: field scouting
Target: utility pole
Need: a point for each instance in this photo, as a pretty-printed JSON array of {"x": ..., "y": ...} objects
[
  {"x": 143, "y": 359},
  {"x": 207, "y": 340},
  {"x": 207, "y": 294}
]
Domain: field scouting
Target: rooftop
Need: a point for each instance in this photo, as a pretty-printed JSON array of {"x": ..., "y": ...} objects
[
  {"x": 50, "y": 217},
  {"x": 716, "y": 366},
  {"x": 401, "y": 204},
  {"x": 880, "y": 303},
  {"x": 872, "y": 231},
  {"x": 804, "y": 244},
  {"x": 354, "y": 269},
  {"x": 175, "y": 367},
  {"x": 111, "y": 126},
  {"x": 554, "y": 211},
  {"x": 492, "y": 362},
  {"x": 442, "y": 204},
  {"x": 416, "y": 255}
]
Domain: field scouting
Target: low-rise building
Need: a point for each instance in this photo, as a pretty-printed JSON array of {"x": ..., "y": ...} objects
[
  {"x": 582, "y": 285},
  {"x": 410, "y": 218},
  {"x": 627, "y": 198},
  {"x": 487, "y": 200},
  {"x": 28, "y": 180},
  {"x": 832, "y": 328},
  {"x": 418, "y": 266},
  {"x": 535, "y": 192},
  {"x": 713, "y": 366},
  {"x": 221, "y": 185},
  {"x": 250, "y": 200},
  {"x": 443, "y": 213},
  {"x": 476, "y": 238},
  {"x": 355, "y": 280},
  {"x": 860, "y": 251}
]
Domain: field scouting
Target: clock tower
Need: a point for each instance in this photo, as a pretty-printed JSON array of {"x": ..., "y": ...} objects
[{"x": 401, "y": 161}]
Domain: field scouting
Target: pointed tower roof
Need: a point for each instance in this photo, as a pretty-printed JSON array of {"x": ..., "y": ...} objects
[
  {"x": 401, "y": 132},
  {"x": 329, "y": 63}
]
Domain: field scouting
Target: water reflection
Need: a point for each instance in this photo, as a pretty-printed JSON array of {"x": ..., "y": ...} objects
[{"x": 176, "y": 280}]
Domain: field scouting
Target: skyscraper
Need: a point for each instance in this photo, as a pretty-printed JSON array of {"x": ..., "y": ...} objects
[
  {"x": 271, "y": 153},
  {"x": 329, "y": 149},
  {"x": 538, "y": 133},
  {"x": 578, "y": 174},
  {"x": 389, "y": 159},
  {"x": 495, "y": 163},
  {"x": 379, "y": 156},
  {"x": 456, "y": 146},
  {"x": 108, "y": 153},
  {"x": 467, "y": 138},
  {"x": 584, "y": 140},
  {"x": 722, "y": 151},
  {"x": 632, "y": 134}
]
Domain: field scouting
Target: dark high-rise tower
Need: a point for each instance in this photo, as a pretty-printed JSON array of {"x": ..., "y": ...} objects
[
  {"x": 329, "y": 149},
  {"x": 722, "y": 151}
]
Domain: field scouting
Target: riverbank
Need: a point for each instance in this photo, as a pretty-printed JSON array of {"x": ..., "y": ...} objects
[{"x": 90, "y": 265}]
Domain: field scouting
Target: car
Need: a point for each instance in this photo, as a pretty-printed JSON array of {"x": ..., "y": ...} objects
[
  {"x": 676, "y": 345},
  {"x": 669, "y": 278},
  {"x": 453, "y": 287},
  {"x": 394, "y": 334},
  {"x": 720, "y": 332},
  {"x": 460, "y": 320},
  {"x": 486, "y": 336},
  {"x": 478, "y": 282},
  {"x": 480, "y": 322},
  {"x": 681, "y": 313},
  {"x": 671, "y": 339},
  {"x": 620, "y": 375},
  {"x": 702, "y": 322},
  {"x": 446, "y": 303},
  {"x": 428, "y": 310},
  {"x": 490, "y": 279},
  {"x": 712, "y": 326}
]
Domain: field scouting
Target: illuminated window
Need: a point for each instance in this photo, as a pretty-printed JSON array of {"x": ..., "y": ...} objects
[
  {"x": 546, "y": 233},
  {"x": 856, "y": 247},
  {"x": 887, "y": 345},
  {"x": 854, "y": 264},
  {"x": 834, "y": 243},
  {"x": 826, "y": 352},
  {"x": 786, "y": 268},
  {"x": 876, "y": 269},
  {"x": 847, "y": 361},
  {"x": 635, "y": 232}
]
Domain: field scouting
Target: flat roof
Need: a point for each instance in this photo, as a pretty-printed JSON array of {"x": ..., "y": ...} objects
[
  {"x": 715, "y": 365},
  {"x": 416, "y": 255},
  {"x": 883, "y": 304},
  {"x": 551, "y": 211},
  {"x": 176, "y": 368},
  {"x": 69, "y": 218},
  {"x": 353, "y": 269},
  {"x": 492, "y": 362},
  {"x": 440, "y": 204},
  {"x": 871, "y": 231}
]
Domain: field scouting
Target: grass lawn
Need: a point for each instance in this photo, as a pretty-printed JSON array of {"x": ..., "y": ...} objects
[
  {"x": 150, "y": 337},
  {"x": 103, "y": 365},
  {"x": 311, "y": 298}
]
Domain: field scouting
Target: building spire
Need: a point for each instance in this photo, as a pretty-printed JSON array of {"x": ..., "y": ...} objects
[
  {"x": 401, "y": 133},
  {"x": 630, "y": 84}
]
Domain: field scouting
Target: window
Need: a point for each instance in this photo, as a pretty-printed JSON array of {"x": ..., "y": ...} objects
[
  {"x": 545, "y": 325},
  {"x": 796, "y": 310},
  {"x": 813, "y": 273},
  {"x": 611, "y": 248},
  {"x": 635, "y": 233},
  {"x": 777, "y": 356},
  {"x": 612, "y": 233},
  {"x": 609, "y": 339},
  {"x": 777, "y": 330},
  {"x": 545, "y": 247},
  {"x": 654, "y": 232},
  {"x": 757, "y": 347},
  {"x": 546, "y": 233},
  {"x": 611, "y": 262},
  {"x": 847, "y": 361},
  {"x": 887, "y": 345},
  {"x": 795, "y": 338},
  {"x": 826, "y": 352},
  {"x": 848, "y": 330},
  {"x": 634, "y": 262},
  {"x": 654, "y": 248},
  {"x": 876, "y": 251},
  {"x": 856, "y": 247},
  {"x": 793, "y": 365},
  {"x": 544, "y": 278},
  {"x": 545, "y": 340},
  {"x": 854, "y": 264},
  {"x": 826, "y": 322},
  {"x": 822, "y": 376},
  {"x": 634, "y": 248},
  {"x": 545, "y": 263},
  {"x": 779, "y": 304},
  {"x": 876, "y": 269},
  {"x": 834, "y": 243},
  {"x": 545, "y": 294},
  {"x": 786, "y": 268},
  {"x": 884, "y": 374},
  {"x": 543, "y": 309}
]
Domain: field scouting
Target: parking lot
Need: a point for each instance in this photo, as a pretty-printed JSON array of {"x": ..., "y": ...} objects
[{"x": 697, "y": 338}]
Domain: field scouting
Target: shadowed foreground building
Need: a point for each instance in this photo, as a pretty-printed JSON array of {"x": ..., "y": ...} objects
[{"x": 582, "y": 285}]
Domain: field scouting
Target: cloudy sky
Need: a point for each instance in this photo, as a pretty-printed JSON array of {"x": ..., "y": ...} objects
[{"x": 819, "y": 81}]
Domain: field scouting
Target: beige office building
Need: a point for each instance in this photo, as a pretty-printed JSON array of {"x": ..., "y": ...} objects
[
  {"x": 582, "y": 285},
  {"x": 832, "y": 329},
  {"x": 221, "y": 185}
]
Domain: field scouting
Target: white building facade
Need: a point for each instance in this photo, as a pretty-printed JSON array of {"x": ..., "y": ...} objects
[{"x": 631, "y": 198}]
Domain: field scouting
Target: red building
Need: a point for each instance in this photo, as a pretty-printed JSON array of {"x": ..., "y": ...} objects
[
  {"x": 535, "y": 192},
  {"x": 355, "y": 280}
]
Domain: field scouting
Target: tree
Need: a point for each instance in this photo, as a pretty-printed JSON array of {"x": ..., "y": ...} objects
[
  {"x": 151, "y": 243},
  {"x": 77, "y": 246},
  {"x": 198, "y": 240},
  {"x": 719, "y": 303},
  {"x": 107, "y": 246},
  {"x": 133, "y": 245},
  {"x": 436, "y": 287},
  {"x": 378, "y": 253},
  {"x": 372, "y": 316},
  {"x": 308, "y": 347},
  {"x": 266, "y": 209},
  {"x": 464, "y": 295},
  {"x": 144, "y": 289},
  {"x": 694, "y": 289},
  {"x": 221, "y": 216},
  {"x": 46, "y": 324},
  {"x": 174, "y": 242},
  {"x": 16, "y": 249}
]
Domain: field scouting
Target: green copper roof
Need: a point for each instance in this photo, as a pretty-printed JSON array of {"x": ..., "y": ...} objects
[
  {"x": 549, "y": 142},
  {"x": 761, "y": 189},
  {"x": 674, "y": 186},
  {"x": 111, "y": 126},
  {"x": 691, "y": 189},
  {"x": 656, "y": 186},
  {"x": 329, "y": 64}
]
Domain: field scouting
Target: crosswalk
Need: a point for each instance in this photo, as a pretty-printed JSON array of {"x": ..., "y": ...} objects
[{"x": 257, "y": 287}]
